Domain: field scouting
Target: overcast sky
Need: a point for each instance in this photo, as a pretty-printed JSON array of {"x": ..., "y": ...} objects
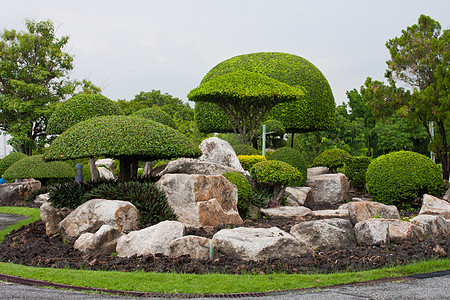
[{"x": 126, "y": 47}]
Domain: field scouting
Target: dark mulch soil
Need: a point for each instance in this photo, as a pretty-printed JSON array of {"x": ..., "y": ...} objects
[{"x": 30, "y": 246}]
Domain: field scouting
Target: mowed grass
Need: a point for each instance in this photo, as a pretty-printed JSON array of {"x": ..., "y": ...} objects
[
  {"x": 201, "y": 284},
  {"x": 33, "y": 215}
]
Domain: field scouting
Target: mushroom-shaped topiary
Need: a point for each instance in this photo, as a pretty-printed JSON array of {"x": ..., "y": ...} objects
[
  {"x": 277, "y": 173},
  {"x": 10, "y": 159},
  {"x": 331, "y": 158},
  {"x": 126, "y": 138},
  {"x": 314, "y": 111},
  {"x": 294, "y": 158},
  {"x": 245, "y": 97},
  {"x": 35, "y": 167},
  {"x": 156, "y": 114}
]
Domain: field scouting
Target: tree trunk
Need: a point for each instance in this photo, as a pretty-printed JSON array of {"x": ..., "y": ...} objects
[
  {"x": 134, "y": 167},
  {"x": 292, "y": 140},
  {"x": 125, "y": 166},
  {"x": 93, "y": 169},
  {"x": 147, "y": 168},
  {"x": 445, "y": 155}
]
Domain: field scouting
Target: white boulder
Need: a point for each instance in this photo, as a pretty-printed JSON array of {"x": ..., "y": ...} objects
[
  {"x": 432, "y": 225},
  {"x": 434, "y": 206},
  {"x": 195, "y": 246},
  {"x": 104, "y": 241},
  {"x": 361, "y": 211},
  {"x": 372, "y": 232},
  {"x": 218, "y": 151},
  {"x": 51, "y": 217},
  {"x": 297, "y": 195},
  {"x": 286, "y": 211},
  {"x": 328, "y": 189}
]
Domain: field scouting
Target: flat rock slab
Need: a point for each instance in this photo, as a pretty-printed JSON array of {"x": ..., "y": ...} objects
[
  {"x": 9, "y": 219},
  {"x": 286, "y": 212}
]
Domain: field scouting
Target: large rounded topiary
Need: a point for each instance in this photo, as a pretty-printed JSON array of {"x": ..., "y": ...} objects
[
  {"x": 9, "y": 160},
  {"x": 79, "y": 108},
  {"x": 245, "y": 192},
  {"x": 156, "y": 114},
  {"x": 400, "y": 177},
  {"x": 294, "y": 158},
  {"x": 124, "y": 137},
  {"x": 35, "y": 167},
  {"x": 331, "y": 158},
  {"x": 314, "y": 111}
]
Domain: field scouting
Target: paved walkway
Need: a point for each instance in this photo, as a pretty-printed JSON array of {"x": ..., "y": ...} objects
[{"x": 9, "y": 219}]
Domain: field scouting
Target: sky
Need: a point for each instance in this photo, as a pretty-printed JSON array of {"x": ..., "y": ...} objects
[{"x": 126, "y": 47}]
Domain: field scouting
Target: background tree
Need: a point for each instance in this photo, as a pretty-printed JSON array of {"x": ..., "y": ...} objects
[{"x": 33, "y": 70}]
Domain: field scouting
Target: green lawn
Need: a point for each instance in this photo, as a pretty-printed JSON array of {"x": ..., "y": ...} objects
[{"x": 209, "y": 283}]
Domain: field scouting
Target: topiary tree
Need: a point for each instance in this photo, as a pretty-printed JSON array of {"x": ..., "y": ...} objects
[
  {"x": 126, "y": 138},
  {"x": 245, "y": 192},
  {"x": 277, "y": 173},
  {"x": 245, "y": 97},
  {"x": 294, "y": 158},
  {"x": 35, "y": 167},
  {"x": 79, "y": 108},
  {"x": 313, "y": 111},
  {"x": 399, "y": 178},
  {"x": 10, "y": 159},
  {"x": 245, "y": 150},
  {"x": 155, "y": 113},
  {"x": 331, "y": 158}
]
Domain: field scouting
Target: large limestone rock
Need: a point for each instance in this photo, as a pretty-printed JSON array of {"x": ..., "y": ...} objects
[
  {"x": 432, "y": 225},
  {"x": 361, "y": 211},
  {"x": 434, "y": 206},
  {"x": 108, "y": 162},
  {"x": 401, "y": 231},
  {"x": 104, "y": 241},
  {"x": 447, "y": 196},
  {"x": 341, "y": 212},
  {"x": 372, "y": 232},
  {"x": 105, "y": 173},
  {"x": 328, "y": 189},
  {"x": 151, "y": 240},
  {"x": 325, "y": 233},
  {"x": 258, "y": 243},
  {"x": 11, "y": 193},
  {"x": 42, "y": 198},
  {"x": 286, "y": 212},
  {"x": 51, "y": 217},
  {"x": 218, "y": 151},
  {"x": 201, "y": 200},
  {"x": 195, "y": 166},
  {"x": 297, "y": 195},
  {"x": 195, "y": 246},
  {"x": 315, "y": 171},
  {"x": 92, "y": 215}
]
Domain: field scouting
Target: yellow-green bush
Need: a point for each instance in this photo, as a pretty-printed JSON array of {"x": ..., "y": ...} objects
[{"x": 247, "y": 161}]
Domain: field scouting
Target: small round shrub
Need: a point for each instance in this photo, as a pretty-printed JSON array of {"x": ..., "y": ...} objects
[
  {"x": 274, "y": 171},
  {"x": 245, "y": 192},
  {"x": 245, "y": 150},
  {"x": 247, "y": 161},
  {"x": 150, "y": 201},
  {"x": 356, "y": 169},
  {"x": 331, "y": 158},
  {"x": 35, "y": 167},
  {"x": 294, "y": 158},
  {"x": 156, "y": 114},
  {"x": 9, "y": 160},
  {"x": 399, "y": 178},
  {"x": 268, "y": 153}
]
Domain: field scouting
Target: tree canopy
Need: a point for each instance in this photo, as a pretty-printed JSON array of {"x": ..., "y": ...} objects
[
  {"x": 127, "y": 138},
  {"x": 156, "y": 114},
  {"x": 33, "y": 77}
]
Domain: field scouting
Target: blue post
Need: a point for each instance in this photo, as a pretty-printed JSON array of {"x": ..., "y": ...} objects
[
  {"x": 79, "y": 173},
  {"x": 264, "y": 140}
]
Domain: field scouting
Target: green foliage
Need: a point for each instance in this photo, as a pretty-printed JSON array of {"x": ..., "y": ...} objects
[
  {"x": 274, "y": 171},
  {"x": 245, "y": 150},
  {"x": 33, "y": 78},
  {"x": 245, "y": 192},
  {"x": 9, "y": 160},
  {"x": 35, "y": 167},
  {"x": 398, "y": 178},
  {"x": 356, "y": 169},
  {"x": 331, "y": 158},
  {"x": 79, "y": 108},
  {"x": 32, "y": 196},
  {"x": 248, "y": 161},
  {"x": 70, "y": 194},
  {"x": 155, "y": 113},
  {"x": 132, "y": 136},
  {"x": 314, "y": 111},
  {"x": 293, "y": 158},
  {"x": 148, "y": 199},
  {"x": 232, "y": 138},
  {"x": 274, "y": 134}
]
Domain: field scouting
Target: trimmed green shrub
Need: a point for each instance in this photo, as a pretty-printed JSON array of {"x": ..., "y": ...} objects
[
  {"x": 331, "y": 158},
  {"x": 245, "y": 192},
  {"x": 245, "y": 150},
  {"x": 150, "y": 201},
  {"x": 248, "y": 161},
  {"x": 268, "y": 153},
  {"x": 295, "y": 159},
  {"x": 399, "y": 178},
  {"x": 35, "y": 167},
  {"x": 232, "y": 138},
  {"x": 156, "y": 114},
  {"x": 9, "y": 160},
  {"x": 79, "y": 108},
  {"x": 356, "y": 169},
  {"x": 314, "y": 111}
]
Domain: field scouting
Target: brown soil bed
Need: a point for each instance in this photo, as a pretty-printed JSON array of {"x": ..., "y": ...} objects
[{"x": 30, "y": 246}]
